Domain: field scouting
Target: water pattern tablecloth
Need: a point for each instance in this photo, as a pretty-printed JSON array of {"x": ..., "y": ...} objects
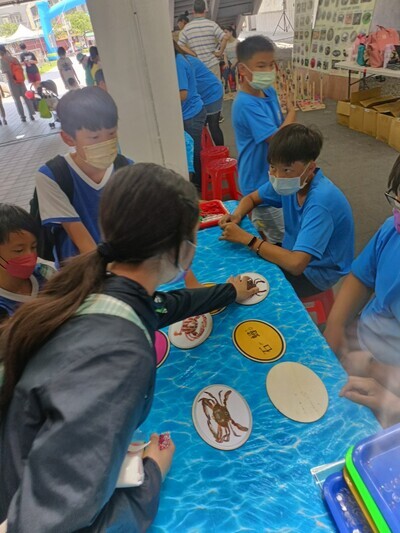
[{"x": 266, "y": 484}]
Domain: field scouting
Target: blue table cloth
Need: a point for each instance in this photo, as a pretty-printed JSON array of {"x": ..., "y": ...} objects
[{"x": 266, "y": 484}]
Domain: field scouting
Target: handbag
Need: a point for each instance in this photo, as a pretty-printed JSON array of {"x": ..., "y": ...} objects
[{"x": 377, "y": 42}]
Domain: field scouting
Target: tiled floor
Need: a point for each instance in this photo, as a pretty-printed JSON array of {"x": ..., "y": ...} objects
[{"x": 358, "y": 164}]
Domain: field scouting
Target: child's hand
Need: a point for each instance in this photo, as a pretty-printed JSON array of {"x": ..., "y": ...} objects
[
  {"x": 369, "y": 392},
  {"x": 229, "y": 218},
  {"x": 233, "y": 233},
  {"x": 162, "y": 457},
  {"x": 191, "y": 282},
  {"x": 242, "y": 292}
]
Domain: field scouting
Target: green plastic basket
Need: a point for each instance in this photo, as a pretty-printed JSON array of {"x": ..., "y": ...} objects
[{"x": 370, "y": 504}]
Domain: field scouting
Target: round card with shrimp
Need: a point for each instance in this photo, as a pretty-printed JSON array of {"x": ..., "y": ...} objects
[
  {"x": 190, "y": 332},
  {"x": 259, "y": 341},
  {"x": 222, "y": 417},
  {"x": 256, "y": 280},
  {"x": 297, "y": 392}
]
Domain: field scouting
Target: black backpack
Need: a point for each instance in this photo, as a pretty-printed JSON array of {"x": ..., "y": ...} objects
[{"x": 51, "y": 236}]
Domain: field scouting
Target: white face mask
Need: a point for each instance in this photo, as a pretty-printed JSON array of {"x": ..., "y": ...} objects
[
  {"x": 101, "y": 155},
  {"x": 287, "y": 186}
]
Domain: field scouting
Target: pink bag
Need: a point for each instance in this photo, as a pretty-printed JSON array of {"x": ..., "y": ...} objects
[{"x": 376, "y": 43}]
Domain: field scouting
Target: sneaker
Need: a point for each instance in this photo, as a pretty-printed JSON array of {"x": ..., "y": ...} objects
[
  {"x": 23, "y": 119},
  {"x": 32, "y": 117},
  {"x": 1, "y": 123},
  {"x": 5, "y": 122}
]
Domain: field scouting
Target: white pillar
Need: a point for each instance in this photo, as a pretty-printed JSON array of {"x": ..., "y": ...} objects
[{"x": 135, "y": 46}]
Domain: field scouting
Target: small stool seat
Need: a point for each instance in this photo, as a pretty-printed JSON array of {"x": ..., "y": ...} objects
[
  {"x": 217, "y": 171},
  {"x": 319, "y": 305}
]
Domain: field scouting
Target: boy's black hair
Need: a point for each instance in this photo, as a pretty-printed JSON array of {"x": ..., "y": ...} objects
[
  {"x": 22, "y": 46},
  {"x": 394, "y": 178},
  {"x": 199, "y": 6},
  {"x": 93, "y": 52},
  {"x": 295, "y": 142},
  {"x": 246, "y": 49},
  {"x": 91, "y": 108},
  {"x": 14, "y": 219},
  {"x": 61, "y": 51},
  {"x": 184, "y": 17}
]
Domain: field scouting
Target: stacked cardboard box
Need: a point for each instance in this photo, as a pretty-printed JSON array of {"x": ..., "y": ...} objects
[{"x": 370, "y": 113}]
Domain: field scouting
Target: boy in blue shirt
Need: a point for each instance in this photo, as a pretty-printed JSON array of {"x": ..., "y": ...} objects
[
  {"x": 193, "y": 110},
  {"x": 363, "y": 328},
  {"x": 21, "y": 275},
  {"x": 318, "y": 244},
  {"x": 89, "y": 124},
  {"x": 256, "y": 117}
]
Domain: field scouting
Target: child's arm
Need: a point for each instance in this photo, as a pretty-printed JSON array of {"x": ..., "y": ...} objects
[
  {"x": 80, "y": 236},
  {"x": 290, "y": 117},
  {"x": 246, "y": 205},
  {"x": 352, "y": 297}
]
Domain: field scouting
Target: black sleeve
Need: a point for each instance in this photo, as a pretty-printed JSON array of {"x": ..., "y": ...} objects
[
  {"x": 85, "y": 441},
  {"x": 177, "y": 305}
]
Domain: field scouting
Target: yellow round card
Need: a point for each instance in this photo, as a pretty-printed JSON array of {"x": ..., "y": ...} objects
[
  {"x": 216, "y": 311},
  {"x": 259, "y": 341}
]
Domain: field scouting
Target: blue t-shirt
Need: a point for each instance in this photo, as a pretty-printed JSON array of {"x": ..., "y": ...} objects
[
  {"x": 9, "y": 301},
  {"x": 377, "y": 267},
  {"x": 55, "y": 207},
  {"x": 208, "y": 85},
  {"x": 187, "y": 82},
  {"x": 322, "y": 227},
  {"x": 254, "y": 119}
]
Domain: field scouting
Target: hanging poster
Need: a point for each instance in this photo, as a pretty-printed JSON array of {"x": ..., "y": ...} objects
[
  {"x": 303, "y": 23},
  {"x": 337, "y": 25}
]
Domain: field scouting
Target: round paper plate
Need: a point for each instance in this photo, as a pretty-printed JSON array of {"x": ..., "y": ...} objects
[
  {"x": 262, "y": 284},
  {"x": 190, "y": 332},
  {"x": 216, "y": 311},
  {"x": 162, "y": 346},
  {"x": 222, "y": 417},
  {"x": 259, "y": 341},
  {"x": 297, "y": 392}
]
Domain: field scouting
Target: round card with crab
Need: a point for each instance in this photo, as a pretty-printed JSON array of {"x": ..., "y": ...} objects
[
  {"x": 222, "y": 417},
  {"x": 256, "y": 280}
]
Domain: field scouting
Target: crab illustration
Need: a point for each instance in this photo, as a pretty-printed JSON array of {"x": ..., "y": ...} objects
[
  {"x": 217, "y": 411},
  {"x": 193, "y": 327},
  {"x": 251, "y": 283}
]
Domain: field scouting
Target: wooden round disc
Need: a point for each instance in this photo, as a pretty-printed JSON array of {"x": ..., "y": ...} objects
[{"x": 297, "y": 392}]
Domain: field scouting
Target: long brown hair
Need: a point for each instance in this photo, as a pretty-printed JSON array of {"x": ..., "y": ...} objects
[{"x": 146, "y": 210}]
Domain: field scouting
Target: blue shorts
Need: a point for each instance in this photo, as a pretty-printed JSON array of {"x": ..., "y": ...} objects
[{"x": 214, "y": 107}]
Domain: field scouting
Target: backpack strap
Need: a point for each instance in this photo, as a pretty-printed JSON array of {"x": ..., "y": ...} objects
[
  {"x": 108, "y": 305},
  {"x": 120, "y": 161},
  {"x": 60, "y": 170}
]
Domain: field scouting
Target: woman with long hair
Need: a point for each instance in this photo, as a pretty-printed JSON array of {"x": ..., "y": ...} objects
[{"x": 80, "y": 363}]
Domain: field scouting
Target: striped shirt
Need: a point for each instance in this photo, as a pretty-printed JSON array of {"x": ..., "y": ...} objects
[{"x": 202, "y": 36}]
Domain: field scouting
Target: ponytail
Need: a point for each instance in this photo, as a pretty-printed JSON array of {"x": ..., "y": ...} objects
[{"x": 36, "y": 321}]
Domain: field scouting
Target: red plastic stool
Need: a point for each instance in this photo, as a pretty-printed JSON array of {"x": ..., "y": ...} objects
[
  {"x": 206, "y": 139},
  {"x": 320, "y": 304},
  {"x": 218, "y": 171},
  {"x": 206, "y": 156}
]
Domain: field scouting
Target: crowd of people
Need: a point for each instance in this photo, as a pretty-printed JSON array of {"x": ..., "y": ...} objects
[{"x": 69, "y": 325}]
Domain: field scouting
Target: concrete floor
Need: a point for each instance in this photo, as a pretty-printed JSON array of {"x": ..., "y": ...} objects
[{"x": 358, "y": 164}]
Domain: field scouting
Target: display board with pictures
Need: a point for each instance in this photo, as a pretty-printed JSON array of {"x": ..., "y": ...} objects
[
  {"x": 303, "y": 24},
  {"x": 337, "y": 25}
]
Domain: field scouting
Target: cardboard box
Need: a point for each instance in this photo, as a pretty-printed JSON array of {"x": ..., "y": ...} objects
[
  {"x": 390, "y": 108},
  {"x": 371, "y": 102},
  {"x": 356, "y": 121},
  {"x": 369, "y": 122},
  {"x": 356, "y": 97},
  {"x": 383, "y": 125},
  {"x": 394, "y": 137},
  {"x": 343, "y": 113}
]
